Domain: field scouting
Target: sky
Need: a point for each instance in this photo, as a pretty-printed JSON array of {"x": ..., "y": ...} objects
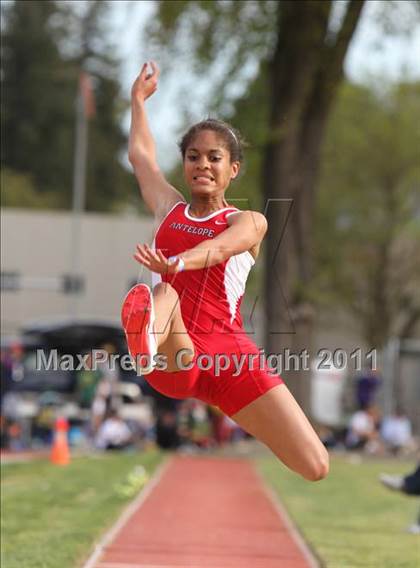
[{"x": 371, "y": 57}]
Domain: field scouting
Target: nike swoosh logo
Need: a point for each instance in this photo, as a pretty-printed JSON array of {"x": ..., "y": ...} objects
[{"x": 221, "y": 222}]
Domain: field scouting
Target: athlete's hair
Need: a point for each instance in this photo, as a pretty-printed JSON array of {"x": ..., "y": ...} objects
[{"x": 231, "y": 137}]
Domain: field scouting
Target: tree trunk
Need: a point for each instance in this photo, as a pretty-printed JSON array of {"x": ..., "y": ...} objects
[{"x": 305, "y": 72}]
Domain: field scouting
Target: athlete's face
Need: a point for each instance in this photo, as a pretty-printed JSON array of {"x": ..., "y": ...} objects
[{"x": 207, "y": 166}]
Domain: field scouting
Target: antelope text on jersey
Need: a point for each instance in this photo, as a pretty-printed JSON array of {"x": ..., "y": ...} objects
[{"x": 205, "y": 232}]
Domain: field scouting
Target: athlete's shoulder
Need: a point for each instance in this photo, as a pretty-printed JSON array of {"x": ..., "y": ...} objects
[
  {"x": 168, "y": 207},
  {"x": 248, "y": 217}
]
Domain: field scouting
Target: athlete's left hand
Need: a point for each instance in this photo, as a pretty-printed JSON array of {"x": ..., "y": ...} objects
[{"x": 155, "y": 260}]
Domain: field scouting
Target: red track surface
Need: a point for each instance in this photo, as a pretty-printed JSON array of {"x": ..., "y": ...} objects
[
  {"x": 7, "y": 456},
  {"x": 205, "y": 512}
]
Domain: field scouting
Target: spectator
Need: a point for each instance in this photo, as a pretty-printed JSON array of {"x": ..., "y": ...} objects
[
  {"x": 113, "y": 433},
  {"x": 221, "y": 426},
  {"x": 409, "y": 485},
  {"x": 110, "y": 375},
  {"x": 15, "y": 436},
  {"x": 100, "y": 404},
  {"x": 167, "y": 431},
  {"x": 327, "y": 436},
  {"x": 12, "y": 423},
  {"x": 11, "y": 369},
  {"x": 363, "y": 432},
  {"x": 87, "y": 382},
  {"x": 186, "y": 422},
  {"x": 5, "y": 373},
  {"x": 396, "y": 431},
  {"x": 367, "y": 385},
  {"x": 166, "y": 411}
]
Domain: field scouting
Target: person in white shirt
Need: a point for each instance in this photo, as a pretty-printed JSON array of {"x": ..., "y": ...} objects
[
  {"x": 113, "y": 433},
  {"x": 396, "y": 431},
  {"x": 363, "y": 430}
]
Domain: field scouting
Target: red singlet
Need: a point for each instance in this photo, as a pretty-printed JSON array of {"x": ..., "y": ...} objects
[{"x": 210, "y": 301}]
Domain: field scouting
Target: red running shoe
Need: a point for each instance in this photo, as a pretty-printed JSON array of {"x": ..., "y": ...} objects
[{"x": 137, "y": 317}]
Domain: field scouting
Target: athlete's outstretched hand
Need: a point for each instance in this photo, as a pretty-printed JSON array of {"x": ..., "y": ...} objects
[
  {"x": 155, "y": 260},
  {"x": 146, "y": 83}
]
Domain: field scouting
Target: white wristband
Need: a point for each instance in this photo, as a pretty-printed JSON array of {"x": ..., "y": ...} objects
[{"x": 181, "y": 263}]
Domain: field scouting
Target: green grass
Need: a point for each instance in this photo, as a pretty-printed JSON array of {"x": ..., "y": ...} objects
[
  {"x": 52, "y": 515},
  {"x": 349, "y": 518}
]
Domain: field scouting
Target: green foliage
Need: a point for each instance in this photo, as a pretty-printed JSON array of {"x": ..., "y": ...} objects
[
  {"x": 18, "y": 191},
  {"x": 365, "y": 215},
  {"x": 213, "y": 27},
  {"x": 108, "y": 183},
  {"x": 349, "y": 518},
  {"x": 202, "y": 34},
  {"x": 52, "y": 515},
  {"x": 38, "y": 93},
  {"x": 368, "y": 207},
  {"x": 45, "y": 45}
]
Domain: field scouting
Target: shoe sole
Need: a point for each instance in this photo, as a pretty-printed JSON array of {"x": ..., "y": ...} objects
[{"x": 137, "y": 318}]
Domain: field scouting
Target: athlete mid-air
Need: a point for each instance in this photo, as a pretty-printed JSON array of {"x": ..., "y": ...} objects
[{"x": 200, "y": 259}]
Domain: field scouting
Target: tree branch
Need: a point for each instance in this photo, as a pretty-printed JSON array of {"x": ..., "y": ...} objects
[
  {"x": 338, "y": 51},
  {"x": 301, "y": 31},
  {"x": 409, "y": 325}
]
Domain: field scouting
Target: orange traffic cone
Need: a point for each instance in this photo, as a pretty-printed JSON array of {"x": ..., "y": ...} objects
[{"x": 60, "y": 453}]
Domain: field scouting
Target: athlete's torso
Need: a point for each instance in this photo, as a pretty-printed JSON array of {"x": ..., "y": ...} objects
[{"x": 211, "y": 297}]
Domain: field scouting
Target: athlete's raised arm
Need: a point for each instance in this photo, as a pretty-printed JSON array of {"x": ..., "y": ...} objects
[
  {"x": 245, "y": 232},
  {"x": 157, "y": 193}
]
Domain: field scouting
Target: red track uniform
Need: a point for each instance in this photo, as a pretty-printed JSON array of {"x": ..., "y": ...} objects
[{"x": 210, "y": 301}]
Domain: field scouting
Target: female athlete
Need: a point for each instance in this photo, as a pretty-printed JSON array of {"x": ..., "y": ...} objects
[{"x": 200, "y": 259}]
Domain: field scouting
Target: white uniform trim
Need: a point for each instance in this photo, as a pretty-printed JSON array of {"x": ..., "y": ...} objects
[
  {"x": 201, "y": 219},
  {"x": 164, "y": 218},
  {"x": 236, "y": 273},
  {"x": 156, "y": 277},
  {"x": 234, "y": 213}
]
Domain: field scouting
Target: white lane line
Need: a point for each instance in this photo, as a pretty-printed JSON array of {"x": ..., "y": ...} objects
[
  {"x": 124, "y": 565},
  {"x": 126, "y": 515},
  {"x": 307, "y": 552}
]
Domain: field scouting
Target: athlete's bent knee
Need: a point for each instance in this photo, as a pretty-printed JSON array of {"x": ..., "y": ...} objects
[
  {"x": 165, "y": 288},
  {"x": 319, "y": 468}
]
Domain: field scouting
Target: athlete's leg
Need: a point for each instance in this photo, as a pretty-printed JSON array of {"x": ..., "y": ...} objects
[
  {"x": 154, "y": 326},
  {"x": 276, "y": 419},
  {"x": 170, "y": 331}
]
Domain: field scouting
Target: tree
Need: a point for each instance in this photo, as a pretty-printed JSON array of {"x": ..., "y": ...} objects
[
  {"x": 305, "y": 72},
  {"x": 366, "y": 224},
  {"x": 45, "y": 46},
  {"x": 369, "y": 201},
  {"x": 37, "y": 103},
  {"x": 17, "y": 190},
  {"x": 108, "y": 183},
  {"x": 304, "y": 56}
]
